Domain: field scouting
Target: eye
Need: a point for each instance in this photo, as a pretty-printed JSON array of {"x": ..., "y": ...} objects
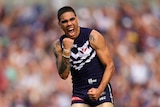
[
  {"x": 64, "y": 21},
  {"x": 72, "y": 19}
]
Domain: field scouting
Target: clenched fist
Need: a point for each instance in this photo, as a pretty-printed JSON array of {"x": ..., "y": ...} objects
[{"x": 68, "y": 43}]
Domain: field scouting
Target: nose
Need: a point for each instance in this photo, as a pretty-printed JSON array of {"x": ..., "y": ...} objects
[{"x": 69, "y": 23}]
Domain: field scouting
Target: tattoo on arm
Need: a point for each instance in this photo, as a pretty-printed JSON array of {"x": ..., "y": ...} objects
[
  {"x": 65, "y": 65},
  {"x": 62, "y": 63},
  {"x": 91, "y": 38}
]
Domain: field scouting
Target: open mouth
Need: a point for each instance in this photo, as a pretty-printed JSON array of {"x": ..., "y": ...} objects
[{"x": 71, "y": 31}]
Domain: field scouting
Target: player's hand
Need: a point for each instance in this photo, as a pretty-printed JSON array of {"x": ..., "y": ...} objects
[
  {"x": 68, "y": 43},
  {"x": 94, "y": 94}
]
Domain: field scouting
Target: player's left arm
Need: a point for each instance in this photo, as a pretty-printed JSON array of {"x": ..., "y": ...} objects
[{"x": 97, "y": 41}]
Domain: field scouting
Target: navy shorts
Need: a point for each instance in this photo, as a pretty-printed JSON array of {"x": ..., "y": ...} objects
[{"x": 82, "y": 97}]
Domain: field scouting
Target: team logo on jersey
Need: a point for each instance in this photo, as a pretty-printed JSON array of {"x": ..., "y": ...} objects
[
  {"x": 83, "y": 55},
  {"x": 83, "y": 50}
]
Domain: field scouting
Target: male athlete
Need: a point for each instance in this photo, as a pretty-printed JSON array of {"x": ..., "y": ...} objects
[{"x": 84, "y": 53}]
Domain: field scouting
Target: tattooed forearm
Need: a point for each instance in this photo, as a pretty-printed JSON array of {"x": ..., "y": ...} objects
[
  {"x": 62, "y": 63},
  {"x": 65, "y": 65}
]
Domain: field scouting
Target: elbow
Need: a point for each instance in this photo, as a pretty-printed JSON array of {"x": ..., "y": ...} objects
[
  {"x": 112, "y": 68},
  {"x": 64, "y": 76}
]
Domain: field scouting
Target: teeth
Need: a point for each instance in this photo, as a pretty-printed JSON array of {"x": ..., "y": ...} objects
[{"x": 70, "y": 29}]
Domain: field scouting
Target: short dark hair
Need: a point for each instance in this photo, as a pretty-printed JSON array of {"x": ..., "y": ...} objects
[{"x": 65, "y": 9}]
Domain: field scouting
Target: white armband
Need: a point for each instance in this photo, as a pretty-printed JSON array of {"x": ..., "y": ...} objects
[
  {"x": 66, "y": 50},
  {"x": 65, "y": 56}
]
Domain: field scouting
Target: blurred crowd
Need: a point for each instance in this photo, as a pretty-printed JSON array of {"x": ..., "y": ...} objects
[{"x": 28, "y": 74}]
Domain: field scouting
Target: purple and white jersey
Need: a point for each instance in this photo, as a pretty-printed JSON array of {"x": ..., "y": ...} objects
[{"x": 86, "y": 68}]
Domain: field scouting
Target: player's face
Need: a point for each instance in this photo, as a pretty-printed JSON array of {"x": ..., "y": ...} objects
[{"x": 69, "y": 24}]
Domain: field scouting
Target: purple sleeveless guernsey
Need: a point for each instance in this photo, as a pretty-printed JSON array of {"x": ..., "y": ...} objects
[{"x": 86, "y": 68}]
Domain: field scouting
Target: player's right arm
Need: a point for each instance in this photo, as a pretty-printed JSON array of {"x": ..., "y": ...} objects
[{"x": 62, "y": 62}]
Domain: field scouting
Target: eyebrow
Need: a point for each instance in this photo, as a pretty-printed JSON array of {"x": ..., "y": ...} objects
[{"x": 71, "y": 19}]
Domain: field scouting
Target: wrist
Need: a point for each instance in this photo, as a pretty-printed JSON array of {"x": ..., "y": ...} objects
[
  {"x": 65, "y": 56},
  {"x": 66, "y": 53},
  {"x": 66, "y": 50},
  {"x": 101, "y": 89}
]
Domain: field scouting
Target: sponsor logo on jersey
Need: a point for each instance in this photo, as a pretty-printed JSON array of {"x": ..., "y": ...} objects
[{"x": 91, "y": 81}]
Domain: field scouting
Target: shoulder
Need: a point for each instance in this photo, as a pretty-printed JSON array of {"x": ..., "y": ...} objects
[
  {"x": 96, "y": 39},
  {"x": 56, "y": 47},
  {"x": 95, "y": 36},
  {"x": 59, "y": 41},
  {"x": 56, "y": 43},
  {"x": 96, "y": 33}
]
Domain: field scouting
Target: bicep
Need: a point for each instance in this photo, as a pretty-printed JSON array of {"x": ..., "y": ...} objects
[
  {"x": 104, "y": 55},
  {"x": 98, "y": 43}
]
